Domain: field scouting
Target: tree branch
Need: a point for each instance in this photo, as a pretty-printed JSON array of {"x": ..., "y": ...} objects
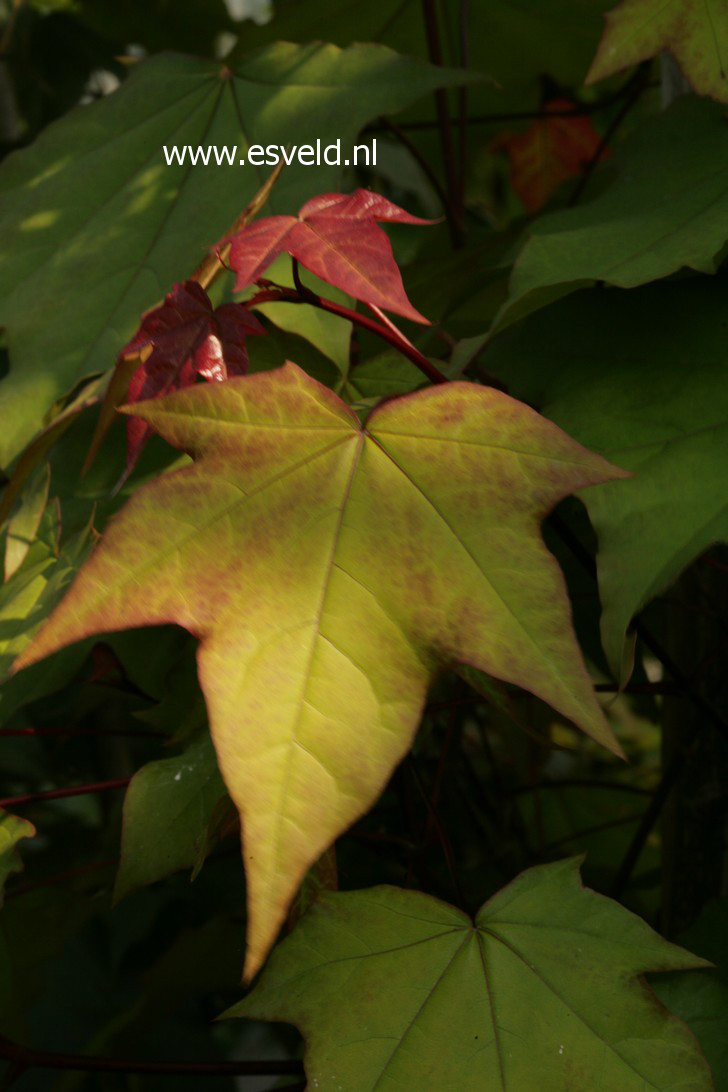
[
  {"x": 422, "y": 163},
  {"x": 275, "y": 293},
  {"x": 432, "y": 33}
]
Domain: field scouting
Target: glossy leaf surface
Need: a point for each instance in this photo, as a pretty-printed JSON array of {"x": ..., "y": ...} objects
[
  {"x": 335, "y": 236},
  {"x": 540, "y": 992},
  {"x": 330, "y": 571},
  {"x": 695, "y": 32}
]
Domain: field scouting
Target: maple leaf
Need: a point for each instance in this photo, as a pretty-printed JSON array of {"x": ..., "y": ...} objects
[
  {"x": 330, "y": 571},
  {"x": 695, "y": 32},
  {"x": 336, "y": 237},
  {"x": 541, "y": 991},
  {"x": 551, "y": 150},
  {"x": 179, "y": 340}
]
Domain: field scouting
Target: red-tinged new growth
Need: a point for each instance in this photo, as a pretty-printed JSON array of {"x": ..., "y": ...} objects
[
  {"x": 337, "y": 238},
  {"x": 552, "y": 150},
  {"x": 179, "y": 340}
]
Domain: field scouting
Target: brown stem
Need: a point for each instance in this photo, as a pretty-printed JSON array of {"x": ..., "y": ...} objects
[
  {"x": 432, "y": 33},
  {"x": 446, "y": 844},
  {"x": 648, "y": 821},
  {"x": 463, "y": 104},
  {"x": 215, "y": 263},
  {"x": 635, "y": 87},
  {"x": 274, "y": 293},
  {"x": 578, "y": 110}
]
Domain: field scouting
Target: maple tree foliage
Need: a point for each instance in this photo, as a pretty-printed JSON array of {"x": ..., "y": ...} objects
[
  {"x": 405, "y": 957},
  {"x": 360, "y": 640},
  {"x": 179, "y": 340},
  {"x": 695, "y": 32},
  {"x": 297, "y": 537},
  {"x": 549, "y": 151},
  {"x": 335, "y": 236}
]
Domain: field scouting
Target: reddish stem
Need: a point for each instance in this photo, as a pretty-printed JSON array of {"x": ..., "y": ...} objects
[
  {"x": 273, "y": 293},
  {"x": 58, "y": 794}
]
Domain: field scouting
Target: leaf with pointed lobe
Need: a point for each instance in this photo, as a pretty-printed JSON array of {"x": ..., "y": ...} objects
[
  {"x": 701, "y": 1000},
  {"x": 550, "y": 151},
  {"x": 330, "y": 571},
  {"x": 179, "y": 340},
  {"x": 541, "y": 991},
  {"x": 640, "y": 377},
  {"x": 695, "y": 32},
  {"x": 665, "y": 210},
  {"x": 336, "y": 237},
  {"x": 167, "y": 808}
]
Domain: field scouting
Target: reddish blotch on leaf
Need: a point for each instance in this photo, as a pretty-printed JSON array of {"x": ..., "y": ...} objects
[{"x": 550, "y": 151}]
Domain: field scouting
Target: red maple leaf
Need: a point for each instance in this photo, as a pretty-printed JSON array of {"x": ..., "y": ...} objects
[
  {"x": 179, "y": 340},
  {"x": 336, "y": 237},
  {"x": 551, "y": 150}
]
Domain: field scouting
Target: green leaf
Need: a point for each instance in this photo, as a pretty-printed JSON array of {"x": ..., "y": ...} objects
[
  {"x": 330, "y": 571},
  {"x": 94, "y": 220},
  {"x": 26, "y": 600},
  {"x": 12, "y": 829},
  {"x": 666, "y": 210},
  {"x": 695, "y": 32},
  {"x": 504, "y": 41},
  {"x": 639, "y": 377},
  {"x": 328, "y": 333},
  {"x": 540, "y": 994},
  {"x": 701, "y": 1000},
  {"x": 166, "y": 811},
  {"x": 382, "y": 376},
  {"x": 25, "y": 521}
]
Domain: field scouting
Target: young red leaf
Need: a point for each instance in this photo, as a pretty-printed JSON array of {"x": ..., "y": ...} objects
[
  {"x": 336, "y": 237},
  {"x": 179, "y": 340},
  {"x": 330, "y": 571},
  {"x": 551, "y": 150}
]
